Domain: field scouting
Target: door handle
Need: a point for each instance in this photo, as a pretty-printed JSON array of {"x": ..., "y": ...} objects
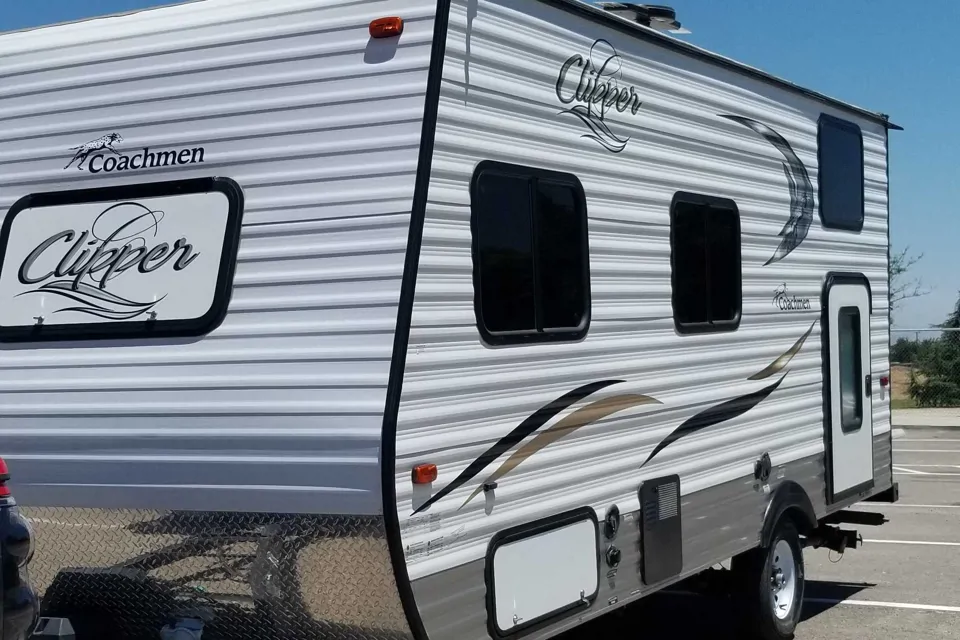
[{"x": 868, "y": 384}]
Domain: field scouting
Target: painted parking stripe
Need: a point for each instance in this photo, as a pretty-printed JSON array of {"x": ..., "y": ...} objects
[
  {"x": 897, "y": 470},
  {"x": 926, "y": 450},
  {"x": 928, "y": 439},
  {"x": 923, "y": 543},
  {"x": 855, "y": 603},
  {"x": 899, "y": 505},
  {"x": 929, "y": 466},
  {"x": 887, "y": 605},
  {"x": 904, "y": 471}
]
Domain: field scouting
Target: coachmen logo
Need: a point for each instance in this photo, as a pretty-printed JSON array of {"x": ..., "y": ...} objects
[
  {"x": 785, "y": 302},
  {"x": 100, "y": 156},
  {"x": 594, "y": 83}
]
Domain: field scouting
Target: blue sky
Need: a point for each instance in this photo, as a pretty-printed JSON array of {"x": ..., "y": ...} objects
[{"x": 879, "y": 54}]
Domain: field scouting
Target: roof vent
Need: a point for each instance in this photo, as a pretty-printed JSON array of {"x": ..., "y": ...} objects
[{"x": 655, "y": 16}]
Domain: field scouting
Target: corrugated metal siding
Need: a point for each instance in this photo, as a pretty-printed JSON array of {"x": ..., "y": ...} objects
[
  {"x": 498, "y": 102},
  {"x": 279, "y": 409}
]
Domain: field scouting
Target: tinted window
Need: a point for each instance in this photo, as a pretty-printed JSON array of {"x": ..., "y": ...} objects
[
  {"x": 505, "y": 245},
  {"x": 689, "y": 249},
  {"x": 705, "y": 258},
  {"x": 531, "y": 264},
  {"x": 723, "y": 264},
  {"x": 840, "y": 156},
  {"x": 851, "y": 376},
  {"x": 562, "y": 259}
]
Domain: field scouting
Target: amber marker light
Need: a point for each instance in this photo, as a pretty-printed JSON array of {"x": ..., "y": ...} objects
[
  {"x": 386, "y": 27},
  {"x": 424, "y": 473}
]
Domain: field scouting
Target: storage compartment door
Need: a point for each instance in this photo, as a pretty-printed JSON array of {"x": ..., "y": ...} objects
[{"x": 541, "y": 570}]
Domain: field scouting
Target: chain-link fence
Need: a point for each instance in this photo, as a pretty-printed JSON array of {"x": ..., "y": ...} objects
[
  {"x": 925, "y": 368},
  {"x": 124, "y": 574}
]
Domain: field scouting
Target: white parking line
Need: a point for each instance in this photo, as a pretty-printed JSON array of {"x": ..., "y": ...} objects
[
  {"x": 855, "y": 603},
  {"x": 928, "y": 439},
  {"x": 924, "y": 543},
  {"x": 900, "y": 505},
  {"x": 897, "y": 470},
  {"x": 933, "y": 466},
  {"x": 887, "y": 605},
  {"x": 926, "y": 450},
  {"x": 902, "y": 470}
]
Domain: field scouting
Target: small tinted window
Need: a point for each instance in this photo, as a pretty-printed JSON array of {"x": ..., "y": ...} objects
[
  {"x": 705, "y": 259},
  {"x": 531, "y": 259},
  {"x": 561, "y": 244},
  {"x": 505, "y": 243},
  {"x": 840, "y": 159}
]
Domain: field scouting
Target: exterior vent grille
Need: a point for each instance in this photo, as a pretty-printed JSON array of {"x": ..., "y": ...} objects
[
  {"x": 661, "y": 534},
  {"x": 669, "y": 501}
]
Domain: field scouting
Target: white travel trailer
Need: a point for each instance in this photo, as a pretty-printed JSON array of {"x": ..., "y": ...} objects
[{"x": 447, "y": 319}]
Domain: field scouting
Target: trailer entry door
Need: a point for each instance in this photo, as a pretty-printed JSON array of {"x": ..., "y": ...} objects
[{"x": 847, "y": 387}]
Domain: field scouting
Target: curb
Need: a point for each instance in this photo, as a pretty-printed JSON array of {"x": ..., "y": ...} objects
[{"x": 935, "y": 418}]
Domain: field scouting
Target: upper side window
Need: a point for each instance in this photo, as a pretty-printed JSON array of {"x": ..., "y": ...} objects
[
  {"x": 530, "y": 254},
  {"x": 840, "y": 159},
  {"x": 705, "y": 262}
]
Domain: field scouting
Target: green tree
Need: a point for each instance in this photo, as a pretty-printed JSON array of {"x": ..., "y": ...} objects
[
  {"x": 953, "y": 320},
  {"x": 904, "y": 351},
  {"x": 936, "y": 379}
]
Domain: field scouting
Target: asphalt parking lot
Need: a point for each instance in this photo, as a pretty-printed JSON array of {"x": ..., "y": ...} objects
[{"x": 904, "y": 583}]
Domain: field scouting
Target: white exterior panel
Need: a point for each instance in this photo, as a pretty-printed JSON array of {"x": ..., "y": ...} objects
[
  {"x": 499, "y": 102},
  {"x": 281, "y": 407}
]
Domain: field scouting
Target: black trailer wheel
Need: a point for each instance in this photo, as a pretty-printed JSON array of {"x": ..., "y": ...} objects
[{"x": 770, "y": 584}]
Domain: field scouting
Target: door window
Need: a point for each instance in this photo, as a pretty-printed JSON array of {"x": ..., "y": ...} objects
[{"x": 851, "y": 374}]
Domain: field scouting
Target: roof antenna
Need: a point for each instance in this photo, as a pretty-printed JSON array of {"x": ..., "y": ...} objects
[{"x": 654, "y": 16}]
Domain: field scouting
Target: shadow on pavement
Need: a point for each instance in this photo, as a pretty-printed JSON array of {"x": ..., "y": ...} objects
[
  {"x": 670, "y": 617},
  {"x": 821, "y": 596}
]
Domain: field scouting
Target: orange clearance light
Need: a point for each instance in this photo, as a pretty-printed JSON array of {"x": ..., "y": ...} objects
[
  {"x": 424, "y": 473},
  {"x": 386, "y": 27}
]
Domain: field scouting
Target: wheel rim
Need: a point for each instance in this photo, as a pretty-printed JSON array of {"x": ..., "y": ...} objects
[{"x": 783, "y": 580}]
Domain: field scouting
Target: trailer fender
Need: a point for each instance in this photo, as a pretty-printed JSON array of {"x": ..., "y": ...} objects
[{"x": 789, "y": 499}]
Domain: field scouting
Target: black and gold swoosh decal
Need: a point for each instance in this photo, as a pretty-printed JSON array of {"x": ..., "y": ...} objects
[
  {"x": 798, "y": 182},
  {"x": 715, "y": 415},
  {"x": 598, "y": 410},
  {"x": 535, "y": 421},
  {"x": 738, "y": 406},
  {"x": 579, "y": 418},
  {"x": 780, "y": 363}
]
